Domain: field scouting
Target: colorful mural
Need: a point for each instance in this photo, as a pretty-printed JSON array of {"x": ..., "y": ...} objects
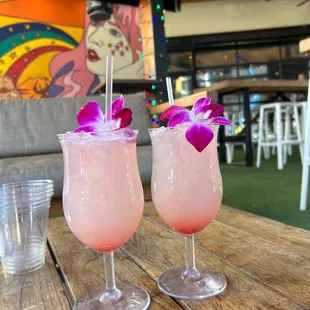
[{"x": 40, "y": 59}]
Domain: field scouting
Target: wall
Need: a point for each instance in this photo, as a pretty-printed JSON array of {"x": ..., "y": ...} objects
[
  {"x": 51, "y": 49},
  {"x": 235, "y": 15}
]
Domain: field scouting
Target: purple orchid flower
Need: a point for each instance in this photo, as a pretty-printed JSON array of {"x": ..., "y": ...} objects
[
  {"x": 202, "y": 115},
  {"x": 91, "y": 119}
]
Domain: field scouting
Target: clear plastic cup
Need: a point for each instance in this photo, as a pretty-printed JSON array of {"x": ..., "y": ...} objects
[{"x": 24, "y": 211}]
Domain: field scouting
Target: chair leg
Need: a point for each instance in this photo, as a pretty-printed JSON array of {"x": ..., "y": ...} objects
[
  {"x": 266, "y": 152},
  {"x": 279, "y": 137},
  {"x": 285, "y": 152},
  {"x": 287, "y": 131},
  {"x": 259, "y": 155},
  {"x": 232, "y": 151},
  {"x": 299, "y": 136},
  {"x": 228, "y": 153},
  {"x": 304, "y": 187},
  {"x": 260, "y": 137}
]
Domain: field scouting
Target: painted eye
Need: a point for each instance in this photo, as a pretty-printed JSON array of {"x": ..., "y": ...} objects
[{"x": 114, "y": 32}]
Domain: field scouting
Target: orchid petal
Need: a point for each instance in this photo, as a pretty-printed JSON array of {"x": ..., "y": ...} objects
[
  {"x": 117, "y": 105},
  {"x": 88, "y": 128},
  {"x": 90, "y": 113},
  {"x": 168, "y": 113},
  {"x": 211, "y": 111},
  {"x": 124, "y": 116},
  {"x": 202, "y": 102},
  {"x": 199, "y": 136},
  {"x": 180, "y": 118},
  {"x": 219, "y": 120}
]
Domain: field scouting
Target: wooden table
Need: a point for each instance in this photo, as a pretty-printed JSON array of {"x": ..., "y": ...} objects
[
  {"x": 267, "y": 265},
  {"x": 246, "y": 87}
]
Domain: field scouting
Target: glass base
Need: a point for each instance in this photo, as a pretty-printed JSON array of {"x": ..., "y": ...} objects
[
  {"x": 133, "y": 298},
  {"x": 208, "y": 284}
]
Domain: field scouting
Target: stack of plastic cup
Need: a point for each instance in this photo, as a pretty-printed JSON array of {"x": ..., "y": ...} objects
[{"x": 24, "y": 212}]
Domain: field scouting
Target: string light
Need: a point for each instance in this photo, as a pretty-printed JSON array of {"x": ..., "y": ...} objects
[{"x": 158, "y": 18}]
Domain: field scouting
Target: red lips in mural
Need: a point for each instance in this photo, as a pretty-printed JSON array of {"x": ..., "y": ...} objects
[{"x": 92, "y": 55}]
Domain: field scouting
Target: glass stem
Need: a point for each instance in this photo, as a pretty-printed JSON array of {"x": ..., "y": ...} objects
[
  {"x": 111, "y": 294},
  {"x": 191, "y": 271}
]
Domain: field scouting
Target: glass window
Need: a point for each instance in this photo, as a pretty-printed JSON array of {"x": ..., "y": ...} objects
[
  {"x": 210, "y": 76},
  {"x": 253, "y": 71},
  {"x": 291, "y": 69},
  {"x": 262, "y": 54},
  {"x": 180, "y": 61},
  {"x": 220, "y": 58},
  {"x": 182, "y": 86}
]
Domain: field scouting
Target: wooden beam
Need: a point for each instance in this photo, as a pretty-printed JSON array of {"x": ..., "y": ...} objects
[{"x": 186, "y": 102}]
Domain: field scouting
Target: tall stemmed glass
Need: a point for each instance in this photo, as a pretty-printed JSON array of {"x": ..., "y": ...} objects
[
  {"x": 187, "y": 194},
  {"x": 103, "y": 205},
  {"x": 103, "y": 196},
  {"x": 187, "y": 189}
]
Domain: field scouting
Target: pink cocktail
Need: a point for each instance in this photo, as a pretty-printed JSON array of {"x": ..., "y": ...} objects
[
  {"x": 103, "y": 205},
  {"x": 187, "y": 193},
  {"x": 186, "y": 185},
  {"x": 103, "y": 195}
]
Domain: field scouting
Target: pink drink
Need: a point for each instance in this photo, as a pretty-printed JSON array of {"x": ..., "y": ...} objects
[
  {"x": 186, "y": 184},
  {"x": 103, "y": 195}
]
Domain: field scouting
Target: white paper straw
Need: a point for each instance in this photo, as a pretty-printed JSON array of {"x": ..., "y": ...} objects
[
  {"x": 169, "y": 91},
  {"x": 108, "y": 87}
]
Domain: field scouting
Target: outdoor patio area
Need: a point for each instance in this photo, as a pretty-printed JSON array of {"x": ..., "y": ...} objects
[{"x": 266, "y": 191}]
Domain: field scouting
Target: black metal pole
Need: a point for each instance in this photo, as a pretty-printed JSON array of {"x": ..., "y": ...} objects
[
  {"x": 248, "y": 128},
  {"x": 160, "y": 45}
]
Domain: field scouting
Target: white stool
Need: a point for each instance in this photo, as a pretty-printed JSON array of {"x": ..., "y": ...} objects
[
  {"x": 283, "y": 143},
  {"x": 235, "y": 118},
  {"x": 302, "y": 107}
]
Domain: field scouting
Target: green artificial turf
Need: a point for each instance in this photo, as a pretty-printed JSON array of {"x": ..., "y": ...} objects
[{"x": 267, "y": 191}]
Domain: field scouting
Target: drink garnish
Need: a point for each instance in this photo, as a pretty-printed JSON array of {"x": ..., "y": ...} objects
[
  {"x": 202, "y": 116},
  {"x": 91, "y": 118}
]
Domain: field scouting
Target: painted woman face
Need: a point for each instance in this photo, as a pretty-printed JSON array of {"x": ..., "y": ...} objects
[{"x": 102, "y": 40}]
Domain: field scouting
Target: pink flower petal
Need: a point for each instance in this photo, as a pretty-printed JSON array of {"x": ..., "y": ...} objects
[
  {"x": 125, "y": 117},
  {"x": 199, "y": 136},
  {"x": 168, "y": 113},
  {"x": 180, "y": 118},
  {"x": 212, "y": 110},
  {"x": 87, "y": 128},
  {"x": 220, "y": 121},
  {"x": 117, "y": 105},
  {"x": 90, "y": 113},
  {"x": 200, "y": 103}
]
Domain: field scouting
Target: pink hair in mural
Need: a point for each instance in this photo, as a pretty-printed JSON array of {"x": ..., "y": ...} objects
[{"x": 80, "y": 71}]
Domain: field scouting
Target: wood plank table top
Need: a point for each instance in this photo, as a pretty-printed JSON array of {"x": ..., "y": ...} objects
[
  {"x": 39, "y": 290},
  {"x": 266, "y": 263},
  {"x": 228, "y": 86}
]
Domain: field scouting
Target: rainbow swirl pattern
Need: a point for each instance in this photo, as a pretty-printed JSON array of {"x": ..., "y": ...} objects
[{"x": 24, "y": 43}]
